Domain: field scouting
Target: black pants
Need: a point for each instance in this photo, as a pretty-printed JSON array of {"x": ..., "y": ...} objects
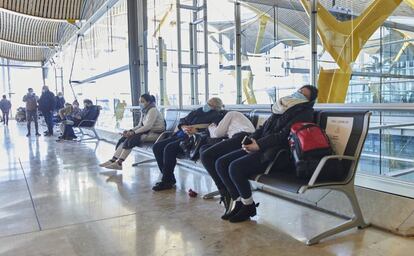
[
  {"x": 31, "y": 115},
  {"x": 236, "y": 168},
  {"x": 48, "y": 119},
  {"x": 129, "y": 143},
  {"x": 6, "y": 117},
  {"x": 166, "y": 152},
  {"x": 210, "y": 153}
]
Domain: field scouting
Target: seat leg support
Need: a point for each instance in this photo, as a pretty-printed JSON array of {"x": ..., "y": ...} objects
[
  {"x": 144, "y": 162},
  {"x": 356, "y": 221},
  {"x": 211, "y": 195}
]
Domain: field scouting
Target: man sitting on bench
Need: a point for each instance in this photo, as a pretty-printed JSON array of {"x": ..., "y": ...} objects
[
  {"x": 87, "y": 118},
  {"x": 167, "y": 150},
  {"x": 253, "y": 157}
]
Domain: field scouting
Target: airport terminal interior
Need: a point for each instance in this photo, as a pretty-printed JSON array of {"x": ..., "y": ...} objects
[{"x": 207, "y": 127}]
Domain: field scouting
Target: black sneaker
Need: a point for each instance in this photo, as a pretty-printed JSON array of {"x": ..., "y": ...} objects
[
  {"x": 245, "y": 213},
  {"x": 28, "y": 135},
  {"x": 162, "y": 186},
  {"x": 233, "y": 212},
  {"x": 38, "y": 134}
]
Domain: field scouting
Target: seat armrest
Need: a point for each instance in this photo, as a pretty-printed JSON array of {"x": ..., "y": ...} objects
[
  {"x": 92, "y": 121},
  {"x": 164, "y": 135},
  {"x": 320, "y": 166}
]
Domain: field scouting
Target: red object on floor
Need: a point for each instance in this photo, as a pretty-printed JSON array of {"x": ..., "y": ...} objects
[{"x": 192, "y": 193}]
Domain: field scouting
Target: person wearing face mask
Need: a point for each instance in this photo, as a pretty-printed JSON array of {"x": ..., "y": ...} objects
[
  {"x": 167, "y": 150},
  {"x": 47, "y": 104},
  {"x": 236, "y": 167},
  {"x": 31, "y": 110},
  {"x": 89, "y": 112},
  {"x": 149, "y": 128}
]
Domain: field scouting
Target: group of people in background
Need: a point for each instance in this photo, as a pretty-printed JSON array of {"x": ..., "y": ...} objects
[
  {"x": 55, "y": 110},
  {"x": 234, "y": 152},
  {"x": 47, "y": 104}
]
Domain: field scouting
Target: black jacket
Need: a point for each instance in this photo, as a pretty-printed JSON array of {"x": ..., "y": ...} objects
[
  {"x": 60, "y": 103},
  {"x": 88, "y": 115},
  {"x": 198, "y": 116},
  {"x": 274, "y": 133},
  {"x": 47, "y": 101}
]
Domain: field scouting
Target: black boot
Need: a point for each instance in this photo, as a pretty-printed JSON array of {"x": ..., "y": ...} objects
[
  {"x": 233, "y": 212},
  {"x": 244, "y": 213},
  {"x": 225, "y": 198}
]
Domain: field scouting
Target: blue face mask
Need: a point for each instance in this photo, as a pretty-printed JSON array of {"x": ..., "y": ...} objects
[
  {"x": 299, "y": 96},
  {"x": 142, "y": 105},
  {"x": 206, "y": 108}
]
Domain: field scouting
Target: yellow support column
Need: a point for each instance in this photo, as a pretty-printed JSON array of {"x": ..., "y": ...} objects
[{"x": 344, "y": 41}]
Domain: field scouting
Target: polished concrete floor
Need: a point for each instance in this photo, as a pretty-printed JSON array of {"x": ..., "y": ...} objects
[{"x": 54, "y": 201}]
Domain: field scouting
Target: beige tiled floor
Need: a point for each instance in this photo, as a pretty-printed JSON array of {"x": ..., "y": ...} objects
[{"x": 78, "y": 211}]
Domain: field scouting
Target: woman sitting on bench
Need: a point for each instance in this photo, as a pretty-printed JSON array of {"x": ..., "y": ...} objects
[
  {"x": 236, "y": 167},
  {"x": 150, "y": 126}
]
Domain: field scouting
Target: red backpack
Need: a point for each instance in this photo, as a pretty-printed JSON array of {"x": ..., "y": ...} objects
[{"x": 308, "y": 145}]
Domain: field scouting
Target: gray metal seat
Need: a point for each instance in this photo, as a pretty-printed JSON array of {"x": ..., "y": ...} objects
[{"x": 326, "y": 175}]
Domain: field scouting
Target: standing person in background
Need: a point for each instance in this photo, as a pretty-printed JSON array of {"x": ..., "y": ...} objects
[
  {"x": 5, "y": 107},
  {"x": 47, "y": 104},
  {"x": 31, "y": 110},
  {"x": 60, "y": 101}
]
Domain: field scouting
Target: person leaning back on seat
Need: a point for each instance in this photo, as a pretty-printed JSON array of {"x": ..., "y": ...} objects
[
  {"x": 234, "y": 126},
  {"x": 167, "y": 150},
  {"x": 236, "y": 167},
  {"x": 149, "y": 128},
  {"x": 87, "y": 117}
]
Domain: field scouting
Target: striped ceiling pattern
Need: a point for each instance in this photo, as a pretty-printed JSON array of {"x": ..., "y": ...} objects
[
  {"x": 21, "y": 52},
  {"x": 26, "y": 30},
  {"x": 33, "y": 30},
  {"x": 51, "y": 9}
]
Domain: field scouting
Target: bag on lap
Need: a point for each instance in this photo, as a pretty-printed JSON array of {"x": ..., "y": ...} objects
[{"x": 308, "y": 145}]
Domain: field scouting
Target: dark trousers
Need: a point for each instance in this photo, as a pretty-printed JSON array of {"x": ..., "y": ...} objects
[
  {"x": 68, "y": 132},
  {"x": 236, "y": 168},
  {"x": 210, "y": 153},
  {"x": 31, "y": 115},
  {"x": 48, "y": 119},
  {"x": 129, "y": 143},
  {"x": 166, "y": 152},
  {"x": 6, "y": 117}
]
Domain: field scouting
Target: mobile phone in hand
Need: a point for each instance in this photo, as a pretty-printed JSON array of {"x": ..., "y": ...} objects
[{"x": 246, "y": 141}]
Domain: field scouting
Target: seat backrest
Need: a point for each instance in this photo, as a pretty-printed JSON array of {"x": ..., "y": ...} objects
[
  {"x": 259, "y": 117},
  {"x": 171, "y": 117},
  {"x": 347, "y": 131}
]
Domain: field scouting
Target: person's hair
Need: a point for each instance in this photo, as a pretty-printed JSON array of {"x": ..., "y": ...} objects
[
  {"x": 30, "y": 89},
  {"x": 148, "y": 98},
  {"x": 4, "y": 96},
  {"x": 313, "y": 90},
  {"x": 218, "y": 103},
  {"x": 87, "y": 101}
]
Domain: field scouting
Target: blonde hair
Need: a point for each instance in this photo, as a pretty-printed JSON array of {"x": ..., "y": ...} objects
[{"x": 216, "y": 102}]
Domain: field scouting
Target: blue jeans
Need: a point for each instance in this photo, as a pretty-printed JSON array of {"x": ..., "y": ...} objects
[{"x": 236, "y": 168}]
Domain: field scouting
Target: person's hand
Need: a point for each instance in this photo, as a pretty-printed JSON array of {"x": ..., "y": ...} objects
[
  {"x": 212, "y": 125},
  {"x": 130, "y": 133},
  {"x": 253, "y": 147},
  {"x": 190, "y": 130},
  {"x": 124, "y": 133}
]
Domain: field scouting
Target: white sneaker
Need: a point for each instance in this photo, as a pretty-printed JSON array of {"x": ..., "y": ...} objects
[
  {"x": 114, "y": 166},
  {"x": 106, "y": 163}
]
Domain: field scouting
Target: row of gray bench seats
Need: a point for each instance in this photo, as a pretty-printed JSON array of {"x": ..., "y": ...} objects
[{"x": 277, "y": 180}]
